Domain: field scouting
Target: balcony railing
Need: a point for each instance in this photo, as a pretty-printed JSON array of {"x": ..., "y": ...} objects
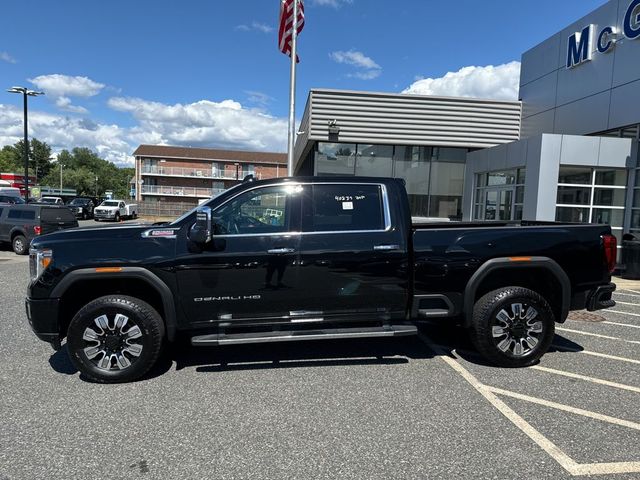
[
  {"x": 194, "y": 172},
  {"x": 180, "y": 191}
]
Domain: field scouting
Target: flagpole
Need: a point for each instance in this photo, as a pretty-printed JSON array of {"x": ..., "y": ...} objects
[{"x": 292, "y": 92}]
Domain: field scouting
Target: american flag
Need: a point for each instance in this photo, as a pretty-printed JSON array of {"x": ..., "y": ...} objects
[{"x": 285, "y": 33}]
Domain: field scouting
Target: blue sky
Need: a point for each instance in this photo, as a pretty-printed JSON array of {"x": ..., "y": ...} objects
[{"x": 208, "y": 73}]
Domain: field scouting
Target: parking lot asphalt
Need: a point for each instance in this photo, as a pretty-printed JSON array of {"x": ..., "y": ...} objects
[{"x": 413, "y": 407}]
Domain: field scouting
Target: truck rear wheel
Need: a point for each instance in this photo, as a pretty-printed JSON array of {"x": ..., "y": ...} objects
[
  {"x": 115, "y": 338},
  {"x": 117, "y": 217},
  {"x": 20, "y": 245},
  {"x": 512, "y": 326}
]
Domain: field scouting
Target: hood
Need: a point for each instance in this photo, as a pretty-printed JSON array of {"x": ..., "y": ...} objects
[{"x": 100, "y": 246}]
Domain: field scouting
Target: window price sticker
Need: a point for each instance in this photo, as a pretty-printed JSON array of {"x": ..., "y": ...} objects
[{"x": 347, "y": 205}]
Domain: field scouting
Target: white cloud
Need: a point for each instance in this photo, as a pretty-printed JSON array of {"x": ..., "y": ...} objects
[
  {"x": 64, "y": 103},
  {"x": 62, "y": 132},
  {"x": 4, "y": 56},
  {"x": 355, "y": 58},
  {"x": 225, "y": 124},
  {"x": 331, "y": 3},
  {"x": 258, "y": 98},
  {"x": 58, "y": 85},
  {"x": 498, "y": 82},
  {"x": 256, "y": 26},
  {"x": 366, "y": 75},
  {"x": 368, "y": 69}
]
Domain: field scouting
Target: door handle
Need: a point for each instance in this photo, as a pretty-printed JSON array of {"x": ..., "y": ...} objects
[
  {"x": 279, "y": 251},
  {"x": 386, "y": 248}
]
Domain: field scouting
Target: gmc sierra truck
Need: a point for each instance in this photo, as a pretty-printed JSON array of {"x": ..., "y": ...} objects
[{"x": 305, "y": 259}]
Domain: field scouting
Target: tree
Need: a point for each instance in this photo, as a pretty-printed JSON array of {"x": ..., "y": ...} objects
[
  {"x": 9, "y": 159},
  {"x": 40, "y": 155}
]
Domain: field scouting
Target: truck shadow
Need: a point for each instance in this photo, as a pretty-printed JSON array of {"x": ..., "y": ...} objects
[{"x": 444, "y": 339}]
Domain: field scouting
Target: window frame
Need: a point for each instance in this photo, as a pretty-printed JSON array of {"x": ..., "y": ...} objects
[
  {"x": 384, "y": 198},
  {"x": 386, "y": 211}
]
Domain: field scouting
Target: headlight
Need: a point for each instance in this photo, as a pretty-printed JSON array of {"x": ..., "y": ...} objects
[
  {"x": 80, "y": 209},
  {"x": 39, "y": 260}
]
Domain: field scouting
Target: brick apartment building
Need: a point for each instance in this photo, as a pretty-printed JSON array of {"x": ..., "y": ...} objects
[{"x": 188, "y": 175}]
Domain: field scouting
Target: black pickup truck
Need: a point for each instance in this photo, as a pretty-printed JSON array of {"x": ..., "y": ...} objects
[{"x": 309, "y": 258}]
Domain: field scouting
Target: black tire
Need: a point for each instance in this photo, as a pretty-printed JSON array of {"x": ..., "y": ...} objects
[
  {"x": 85, "y": 215},
  {"x": 96, "y": 219},
  {"x": 117, "y": 217},
  {"x": 20, "y": 245},
  {"x": 115, "y": 343},
  {"x": 500, "y": 345}
]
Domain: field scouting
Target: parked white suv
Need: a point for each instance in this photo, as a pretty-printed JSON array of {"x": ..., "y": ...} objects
[{"x": 115, "y": 210}]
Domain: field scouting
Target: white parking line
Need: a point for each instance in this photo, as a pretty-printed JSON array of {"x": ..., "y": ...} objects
[
  {"x": 596, "y": 354},
  {"x": 566, "y": 408},
  {"x": 566, "y": 462},
  {"x": 586, "y": 378},
  {"x": 633, "y": 291},
  {"x": 608, "y": 337},
  {"x": 621, "y": 324},
  {"x": 620, "y": 302},
  {"x": 623, "y": 313},
  {"x": 627, "y": 294}
]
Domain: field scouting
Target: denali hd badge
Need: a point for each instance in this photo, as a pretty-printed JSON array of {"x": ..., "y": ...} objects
[{"x": 227, "y": 298}]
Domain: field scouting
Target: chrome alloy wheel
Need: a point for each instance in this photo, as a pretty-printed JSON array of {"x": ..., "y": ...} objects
[
  {"x": 517, "y": 333},
  {"x": 112, "y": 345}
]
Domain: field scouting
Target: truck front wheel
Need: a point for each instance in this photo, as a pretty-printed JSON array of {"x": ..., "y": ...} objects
[
  {"x": 512, "y": 326},
  {"x": 117, "y": 217},
  {"x": 115, "y": 338}
]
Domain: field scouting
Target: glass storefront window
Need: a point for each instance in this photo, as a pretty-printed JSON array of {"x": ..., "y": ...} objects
[
  {"x": 502, "y": 178},
  {"x": 609, "y": 216},
  {"x": 374, "y": 160},
  {"x": 614, "y": 197},
  {"x": 411, "y": 164},
  {"x": 335, "y": 159},
  {"x": 611, "y": 177},
  {"x": 434, "y": 176},
  {"x": 572, "y": 214},
  {"x": 575, "y": 175},
  {"x": 574, "y": 195}
]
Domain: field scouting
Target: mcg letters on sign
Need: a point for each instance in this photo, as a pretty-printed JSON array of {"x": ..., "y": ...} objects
[{"x": 580, "y": 45}]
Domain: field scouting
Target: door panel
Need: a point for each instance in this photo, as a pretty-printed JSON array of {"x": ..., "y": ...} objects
[
  {"x": 352, "y": 262},
  {"x": 249, "y": 270}
]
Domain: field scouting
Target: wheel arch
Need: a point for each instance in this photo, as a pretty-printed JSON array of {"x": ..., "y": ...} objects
[
  {"x": 147, "y": 286},
  {"x": 539, "y": 267}
]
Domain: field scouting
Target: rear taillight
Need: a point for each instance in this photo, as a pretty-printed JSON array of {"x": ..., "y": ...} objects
[
  {"x": 37, "y": 229},
  {"x": 610, "y": 244}
]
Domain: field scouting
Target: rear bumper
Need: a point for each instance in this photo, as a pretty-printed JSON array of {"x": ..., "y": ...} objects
[
  {"x": 43, "y": 319},
  {"x": 600, "y": 297}
]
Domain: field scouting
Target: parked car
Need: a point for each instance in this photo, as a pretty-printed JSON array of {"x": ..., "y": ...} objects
[
  {"x": 19, "y": 224},
  {"x": 82, "y": 207},
  {"x": 306, "y": 259},
  {"x": 51, "y": 200},
  {"x": 10, "y": 199},
  {"x": 115, "y": 210}
]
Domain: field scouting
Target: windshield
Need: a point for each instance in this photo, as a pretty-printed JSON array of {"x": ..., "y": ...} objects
[
  {"x": 179, "y": 219},
  {"x": 48, "y": 200},
  {"x": 79, "y": 201},
  {"x": 110, "y": 204}
]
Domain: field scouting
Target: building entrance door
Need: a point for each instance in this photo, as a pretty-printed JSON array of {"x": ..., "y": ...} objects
[{"x": 499, "y": 203}]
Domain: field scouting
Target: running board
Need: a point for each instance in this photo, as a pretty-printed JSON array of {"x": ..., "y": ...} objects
[{"x": 290, "y": 336}]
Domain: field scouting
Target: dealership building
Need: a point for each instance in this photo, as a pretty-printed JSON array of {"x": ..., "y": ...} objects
[{"x": 567, "y": 150}]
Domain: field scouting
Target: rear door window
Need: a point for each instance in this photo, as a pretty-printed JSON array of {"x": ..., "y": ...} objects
[{"x": 343, "y": 207}]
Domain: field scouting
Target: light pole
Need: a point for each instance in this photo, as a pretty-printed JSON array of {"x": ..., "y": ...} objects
[
  {"x": 25, "y": 93},
  {"x": 237, "y": 174}
]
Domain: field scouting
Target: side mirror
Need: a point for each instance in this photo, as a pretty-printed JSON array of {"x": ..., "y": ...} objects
[{"x": 201, "y": 231}]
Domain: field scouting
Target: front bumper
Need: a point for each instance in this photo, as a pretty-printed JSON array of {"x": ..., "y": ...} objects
[
  {"x": 601, "y": 297},
  {"x": 43, "y": 319},
  {"x": 104, "y": 215}
]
